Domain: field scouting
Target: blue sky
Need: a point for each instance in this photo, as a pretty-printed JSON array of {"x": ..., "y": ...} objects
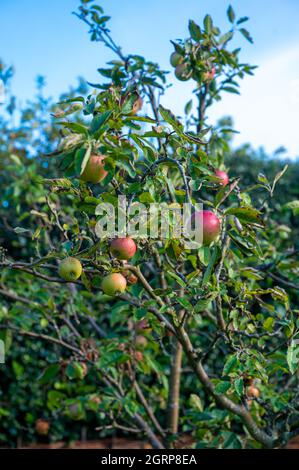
[{"x": 43, "y": 37}]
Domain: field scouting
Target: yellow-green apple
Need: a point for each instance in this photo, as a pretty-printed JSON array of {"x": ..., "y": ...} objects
[
  {"x": 175, "y": 59},
  {"x": 113, "y": 284},
  {"x": 70, "y": 269}
]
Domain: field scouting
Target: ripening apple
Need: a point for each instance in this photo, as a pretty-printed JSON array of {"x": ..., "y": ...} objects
[
  {"x": 70, "y": 269},
  {"x": 94, "y": 172},
  {"x": 123, "y": 248},
  {"x": 42, "y": 427},
  {"x": 182, "y": 72},
  {"x": 138, "y": 356},
  {"x": 137, "y": 105},
  {"x": 210, "y": 225},
  {"x": 113, "y": 284},
  {"x": 175, "y": 59},
  {"x": 222, "y": 177},
  {"x": 209, "y": 75},
  {"x": 131, "y": 278},
  {"x": 141, "y": 341},
  {"x": 253, "y": 392}
]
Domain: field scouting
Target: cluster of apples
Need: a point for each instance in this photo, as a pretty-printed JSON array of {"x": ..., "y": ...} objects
[{"x": 123, "y": 249}]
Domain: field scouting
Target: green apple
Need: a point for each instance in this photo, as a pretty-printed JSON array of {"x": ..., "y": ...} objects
[{"x": 70, "y": 269}]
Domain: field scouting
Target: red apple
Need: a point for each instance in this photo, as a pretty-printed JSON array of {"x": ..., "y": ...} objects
[
  {"x": 114, "y": 283},
  {"x": 94, "y": 172},
  {"x": 222, "y": 177},
  {"x": 209, "y": 75},
  {"x": 123, "y": 248},
  {"x": 210, "y": 225},
  {"x": 42, "y": 427}
]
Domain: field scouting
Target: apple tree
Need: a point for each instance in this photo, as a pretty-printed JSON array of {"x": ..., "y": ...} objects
[{"x": 193, "y": 347}]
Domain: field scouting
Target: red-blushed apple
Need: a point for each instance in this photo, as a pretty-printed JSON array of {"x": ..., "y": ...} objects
[
  {"x": 138, "y": 356},
  {"x": 209, "y": 75},
  {"x": 123, "y": 248},
  {"x": 210, "y": 225},
  {"x": 131, "y": 278},
  {"x": 94, "y": 172},
  {"x": 114, "y": 284},
  {"x": 42, "y": 427},
  {"x": 70, "y": 269},
  {"x": 253, "y": 392},
  {"x": 137, "y": 105},
  {"x": 222, "y": 177}
]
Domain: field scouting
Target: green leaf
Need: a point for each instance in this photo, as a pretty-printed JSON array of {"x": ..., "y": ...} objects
[
  {"x": 212, "y": 262},
  {"x": 202, "y": 304},
  {"x": 230, "y": 364},
  {"x": 194, "y": 30},
  {"x": 75, "y": 370},
  {"x": 188, "y": 107},
  {"x": 239, "y": 385},
  {"x": 169, "y": 117},
  {"x": 231, "y": 14},
  {"x": 231, "y": 89},
  {"x": 81, "y": 159},
  {"x": 21, "y": 230},
  {"x": 246, "y": 35},
  {"x": 268, "y": 324},
  {"x": 293, "y": 356},
  {"x": 222, "y": 387},
  {"x": 225, "y": 38},
  {"x": 75, "y": 127},
  {"x": 48, "y": 374},
  {"x": 98, "y": 121},
  {"x": 195, "y": 402},
  {"x": 278, "y": 176},
  {"x": 208, "y": 24},
  {"x": 242, "y": 20},
  {"x": 246, "y": 214}
]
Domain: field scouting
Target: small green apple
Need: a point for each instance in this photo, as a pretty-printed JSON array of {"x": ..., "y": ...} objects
[{"x": 70, "y": 269}]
